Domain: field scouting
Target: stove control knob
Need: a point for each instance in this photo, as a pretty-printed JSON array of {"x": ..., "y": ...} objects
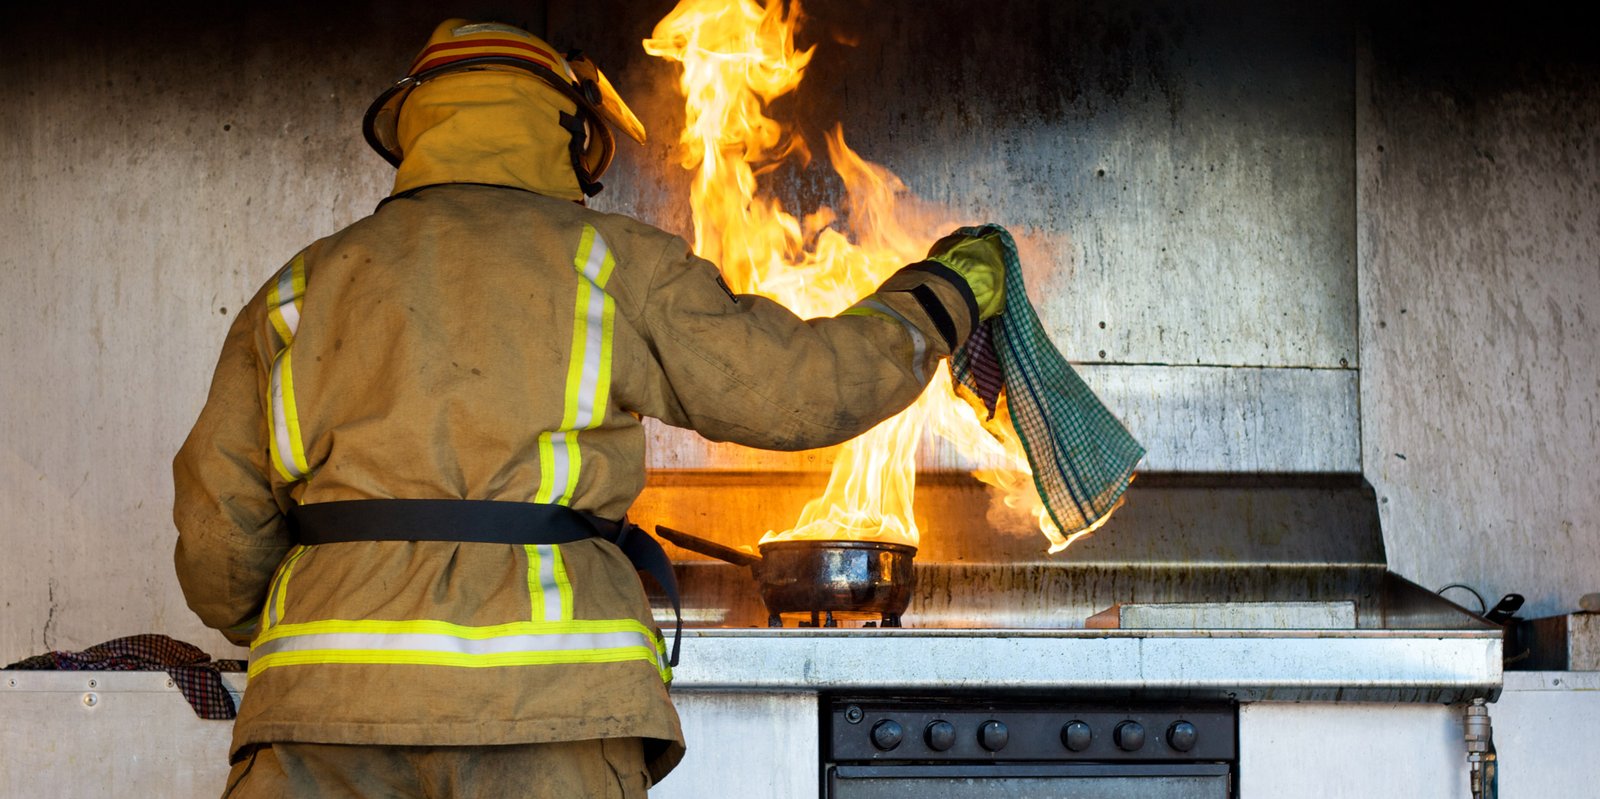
[
  {"x": 1076, "y": 736},
  {"x": 1180, "y": 736},
  {"x": 886, "y": 734},
  {"x": 993, "y": 735},
  {"x": 1129, "y": 736},
  {"x": 940, "y": 735}
]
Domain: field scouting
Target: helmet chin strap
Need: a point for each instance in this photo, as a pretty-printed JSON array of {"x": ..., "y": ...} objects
[{"x": 578, "y": 129}]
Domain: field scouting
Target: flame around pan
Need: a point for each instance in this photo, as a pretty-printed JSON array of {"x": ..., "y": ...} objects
[{"x": 737, "y": 56}]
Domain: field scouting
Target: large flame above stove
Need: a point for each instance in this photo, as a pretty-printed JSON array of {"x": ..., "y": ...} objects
[{"x": 737, "y": 56}]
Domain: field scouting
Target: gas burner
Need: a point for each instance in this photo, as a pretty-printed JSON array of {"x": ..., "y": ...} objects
[{"x": 827, "y": 618}]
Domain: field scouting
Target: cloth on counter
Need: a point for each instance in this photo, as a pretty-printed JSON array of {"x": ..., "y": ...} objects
[
  {"x": 195, "y": 673},
  {"x": 1081, "y": 455}
]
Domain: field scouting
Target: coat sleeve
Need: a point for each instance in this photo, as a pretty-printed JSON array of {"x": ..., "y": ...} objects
[
  {"x": 231, "y": 533},
  {"x": 745, "y": 369}
]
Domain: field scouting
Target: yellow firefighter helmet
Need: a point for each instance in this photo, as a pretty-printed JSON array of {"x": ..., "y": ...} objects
[{"x": 458, "y": 44}]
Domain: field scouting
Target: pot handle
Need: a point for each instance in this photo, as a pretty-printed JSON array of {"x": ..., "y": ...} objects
[{"x": 719, "y": 551}]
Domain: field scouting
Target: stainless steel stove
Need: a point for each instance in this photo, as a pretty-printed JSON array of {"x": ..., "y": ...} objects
[{"x": 1086, "y": 673}]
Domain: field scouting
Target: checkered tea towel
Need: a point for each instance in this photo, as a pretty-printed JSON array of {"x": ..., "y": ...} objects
[{"x": 1082, "y": 457}]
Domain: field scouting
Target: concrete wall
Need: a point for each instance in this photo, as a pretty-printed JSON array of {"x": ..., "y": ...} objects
[{"x": 161, "y": 166}]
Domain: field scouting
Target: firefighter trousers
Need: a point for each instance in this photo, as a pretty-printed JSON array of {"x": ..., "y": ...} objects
[{"x": 610, "y": 768}]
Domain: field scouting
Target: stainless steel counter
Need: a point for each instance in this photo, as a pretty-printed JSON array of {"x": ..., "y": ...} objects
[{"x": 1247, "y": 665}]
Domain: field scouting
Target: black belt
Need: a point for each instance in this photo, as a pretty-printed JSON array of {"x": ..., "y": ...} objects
[{"x": 484, "y": 522}]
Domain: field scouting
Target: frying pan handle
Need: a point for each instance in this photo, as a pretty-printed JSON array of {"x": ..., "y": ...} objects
[{"x": 719, "y": 551}]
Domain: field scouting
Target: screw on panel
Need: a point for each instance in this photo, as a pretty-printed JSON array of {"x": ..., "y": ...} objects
[
  {"x": 91, "y": 699},
  {"x": 94, "y": 683}
]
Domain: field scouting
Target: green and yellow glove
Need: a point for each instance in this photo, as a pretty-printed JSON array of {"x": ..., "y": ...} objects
[{"x": 980, "y": 261}]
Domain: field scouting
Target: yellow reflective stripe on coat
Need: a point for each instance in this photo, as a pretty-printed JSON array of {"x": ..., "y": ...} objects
[
  {"x": 588, "y": 388},
  {"x": 284, "y": 301},
  {"x": 438, "y": 643},
  {"x": 285, "y": 297},
  {"x": 549, "y": 588},
  {"x": 276, "y": 596}
]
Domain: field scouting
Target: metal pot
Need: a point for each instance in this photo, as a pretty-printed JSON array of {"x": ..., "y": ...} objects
[{"x": 821, "y": 577}]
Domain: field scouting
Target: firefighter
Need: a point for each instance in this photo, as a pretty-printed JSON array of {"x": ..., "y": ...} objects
[{"x": 406, "y": 487}]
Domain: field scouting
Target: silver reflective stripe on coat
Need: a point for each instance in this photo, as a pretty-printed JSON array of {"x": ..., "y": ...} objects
[
  {"x": 588, "y": 383},
  {"x": 452, "y": 644},
  {"x": 548, "y": 587},
  {"x": 596, "y": 270},
  {"x": 286, "y": 445}
]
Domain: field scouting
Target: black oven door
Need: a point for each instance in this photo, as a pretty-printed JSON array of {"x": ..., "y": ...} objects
[{"x": 1032, "y": 781}]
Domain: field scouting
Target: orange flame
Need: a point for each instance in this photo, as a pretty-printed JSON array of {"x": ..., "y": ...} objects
[{"x": 737, "y": 57}]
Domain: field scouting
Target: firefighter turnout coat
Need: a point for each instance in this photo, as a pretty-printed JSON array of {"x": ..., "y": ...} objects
[{"x": 471, "y": 341}]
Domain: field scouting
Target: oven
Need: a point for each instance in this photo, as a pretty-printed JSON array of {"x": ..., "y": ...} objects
[{"x": 949, "y": 747}]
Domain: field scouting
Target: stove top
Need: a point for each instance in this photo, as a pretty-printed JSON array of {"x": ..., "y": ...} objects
[{"x": 1187, "y": 551}]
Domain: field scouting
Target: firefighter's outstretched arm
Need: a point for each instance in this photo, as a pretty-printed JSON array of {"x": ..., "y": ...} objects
[{"x": 745, "y": 369}]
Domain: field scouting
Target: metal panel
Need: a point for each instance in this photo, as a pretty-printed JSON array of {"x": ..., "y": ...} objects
[
  {"x": 1545, "y": 725},
  {"x": 107, "y": 734},
  {"x": 1179, "y": 175},
  {"x": 1189, "y": 418},
  {"x": 1236, "y": 420},
  {"x": 1353, "y": 751},
  {"x": 746, "y": 744},
  {"x": 1480, "y": 389},
  {"x": 1179, "y": 179}
]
